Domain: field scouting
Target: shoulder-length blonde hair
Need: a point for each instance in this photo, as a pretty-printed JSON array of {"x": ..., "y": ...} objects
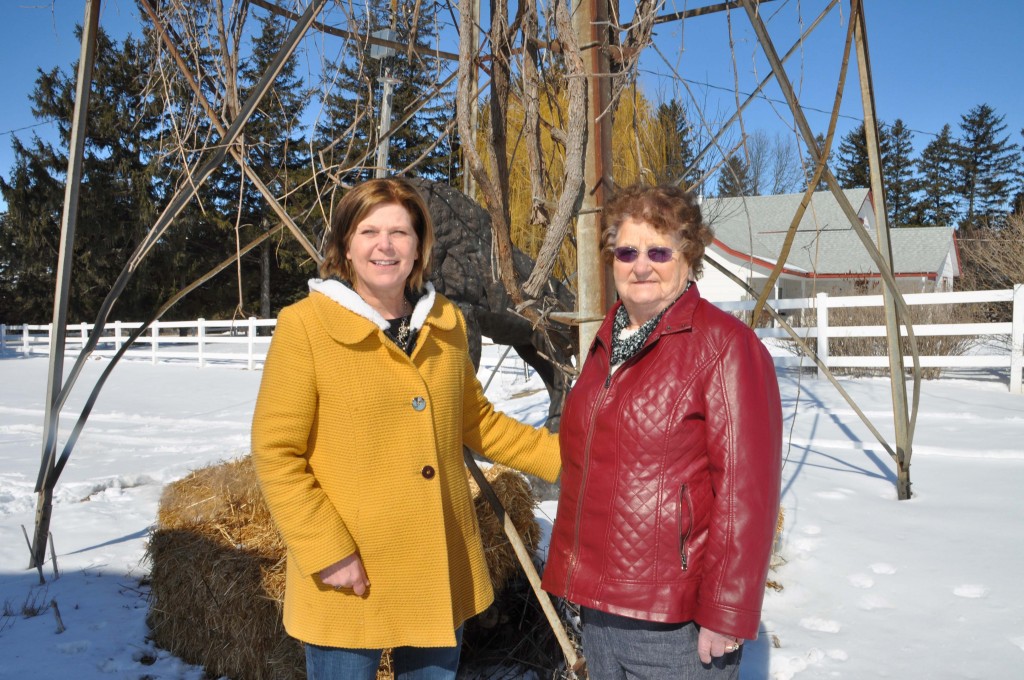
[{"x": 353, "y": 208}]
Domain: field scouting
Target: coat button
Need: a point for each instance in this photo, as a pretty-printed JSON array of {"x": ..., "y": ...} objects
[
  {"x": 428, "y": 472},
  {"x": 419, "y": 403}
]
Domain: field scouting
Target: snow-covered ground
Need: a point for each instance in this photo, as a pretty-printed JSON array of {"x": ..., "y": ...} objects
[{"x": 927, "y": 589}]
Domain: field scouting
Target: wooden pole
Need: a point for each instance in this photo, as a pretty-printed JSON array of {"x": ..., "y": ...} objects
[
  {"x": 594, "y": 290},
  {"x": 897, "y": 382},
  {"x": 69, "y": 220},
  {"x": 574, "y": 661}
]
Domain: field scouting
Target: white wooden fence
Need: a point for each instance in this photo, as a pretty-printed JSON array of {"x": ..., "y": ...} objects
[
  {"x": 201, "y": 341},
  {"x": 997, "y": 345}
]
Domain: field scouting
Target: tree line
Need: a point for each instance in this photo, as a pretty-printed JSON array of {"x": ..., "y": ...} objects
[
  {"x": 972, "y": 179},
  {"x": 314, "y": 136},
  {"x": 145, "y": 126}
]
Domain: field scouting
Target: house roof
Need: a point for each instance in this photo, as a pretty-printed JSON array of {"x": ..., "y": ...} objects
[{"x": 825, "y": 243}]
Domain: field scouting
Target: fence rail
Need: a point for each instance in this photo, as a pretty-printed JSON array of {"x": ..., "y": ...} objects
[
  {"x": 998, "y": 345},
  {"x": 201, "y": 341}
]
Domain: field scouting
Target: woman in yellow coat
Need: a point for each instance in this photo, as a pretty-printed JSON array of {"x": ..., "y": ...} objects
[{"x": 368, "y": 396}]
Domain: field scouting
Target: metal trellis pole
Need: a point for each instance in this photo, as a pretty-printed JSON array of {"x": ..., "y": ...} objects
[{"x": 69, "y": 219}]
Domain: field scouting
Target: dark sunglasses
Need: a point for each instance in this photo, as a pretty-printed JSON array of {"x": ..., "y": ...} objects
[{"x": 658, "y": 254}]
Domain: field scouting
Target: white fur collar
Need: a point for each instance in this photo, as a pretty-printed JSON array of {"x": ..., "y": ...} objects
[{"x": 350, "y": 300}]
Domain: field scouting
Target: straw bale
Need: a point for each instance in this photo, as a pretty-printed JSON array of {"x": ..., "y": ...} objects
[
  {"x": 517, "y": 498},
  {"x": 218, "y": 570}
]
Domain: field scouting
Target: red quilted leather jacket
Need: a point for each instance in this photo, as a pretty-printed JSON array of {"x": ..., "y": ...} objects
[{"x": 670, "y": 475}]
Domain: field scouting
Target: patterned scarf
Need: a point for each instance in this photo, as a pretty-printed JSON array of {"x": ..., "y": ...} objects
[{"x": 625, "y": 347}]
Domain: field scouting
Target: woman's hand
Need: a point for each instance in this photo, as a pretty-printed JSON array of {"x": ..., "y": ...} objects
[
  {"x": 346, "y": 573},
  {"x": 711, "y": 644}
]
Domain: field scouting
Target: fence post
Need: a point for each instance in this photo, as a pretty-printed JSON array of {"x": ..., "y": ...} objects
[
  {"x": 117, "y": 337},
  {"x": 822, "y": 310},
  {"x": 3, "y": 338},
  {"x": 155, "y": 345},
  {"x": 1017, "y": 339},
  {"x": 25, "y": 349},
  {"x": 200, "y": 336},
  {"x": 252, "y": 341}
]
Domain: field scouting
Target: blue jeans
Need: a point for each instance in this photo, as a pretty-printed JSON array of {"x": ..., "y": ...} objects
[
  {"x": 409, "y": 663},
  {"x": 618, "y": 647}
]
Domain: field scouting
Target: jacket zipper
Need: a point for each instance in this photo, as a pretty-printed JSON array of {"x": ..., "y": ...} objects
[
  {"x": 684, "y": 501},
  {"x": 575, "y": 554}
]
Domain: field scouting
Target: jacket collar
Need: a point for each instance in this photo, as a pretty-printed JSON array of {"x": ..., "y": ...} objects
[
  {"x": 679, "y": 317},
  {"x": 350, "y": 319}
]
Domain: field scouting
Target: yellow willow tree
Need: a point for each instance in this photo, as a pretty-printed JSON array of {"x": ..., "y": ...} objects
[{"x": 639, "y": 149}]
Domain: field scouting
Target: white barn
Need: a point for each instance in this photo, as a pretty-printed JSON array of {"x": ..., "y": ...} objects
[{"x": 826, "y": 254}]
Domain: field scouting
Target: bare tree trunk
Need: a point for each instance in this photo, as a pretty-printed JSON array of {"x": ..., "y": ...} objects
[
  {"x": 493, "y": 185},
  {"x": 539, "y": 217},
  {"x": 575, "y": 151},
  {"x": 265, "y": 273}
]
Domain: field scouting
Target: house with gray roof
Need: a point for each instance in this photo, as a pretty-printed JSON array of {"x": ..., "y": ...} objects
[{"x": 826, "y": 255}]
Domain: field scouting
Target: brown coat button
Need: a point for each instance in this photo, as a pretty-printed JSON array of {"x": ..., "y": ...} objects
[{"x": 428, "y": 472}]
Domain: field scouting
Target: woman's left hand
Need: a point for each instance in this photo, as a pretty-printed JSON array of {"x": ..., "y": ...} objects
[{"x": 711, "y": 644}]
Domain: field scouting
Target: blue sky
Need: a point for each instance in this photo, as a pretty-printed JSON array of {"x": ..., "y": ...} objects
[{"x": 932, "y": 61}]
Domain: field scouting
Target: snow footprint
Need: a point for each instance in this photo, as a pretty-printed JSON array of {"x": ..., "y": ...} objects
[
  {"x": 871, "y": 602},
  {"x": 883, "y": 568},
  {"x": 808, "y": 542},
  {"x": 821, "y": 625},
  {"x": 861, "y": 581},
  {"x": 971, "y": 590},
  {"x": 836, "y": 495}
]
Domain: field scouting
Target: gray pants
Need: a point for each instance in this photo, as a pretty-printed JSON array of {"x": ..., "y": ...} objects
[{"x": 621, "y": 648}]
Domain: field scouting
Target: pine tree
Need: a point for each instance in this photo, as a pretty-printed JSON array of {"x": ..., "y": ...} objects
[
  {"x": 986, "y": 163},
  {"x": 1018, "y": 199},
  {"x": 118, "y": 200},
  {"x": 898, "y": 171},
  {"x": 852, "y": 168},
  {"x": 679, "y": 152},
  {"x": 348, "y": 132},
  {"x": 274, "y": 149},
  {"x": 936, "y": 184},
  {"x": 809, "y": 165},
  {"x": 734, "y": 179}
]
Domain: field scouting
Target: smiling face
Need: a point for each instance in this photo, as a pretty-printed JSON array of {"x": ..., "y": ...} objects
[
  {"x": 382, "y": 249},
  {"x": 647, "y": 287}
]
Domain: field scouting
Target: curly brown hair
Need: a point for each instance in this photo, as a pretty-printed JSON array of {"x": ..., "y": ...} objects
[
  {"x": 353, "y": 209},
  {"x": 669, "y": 210}
]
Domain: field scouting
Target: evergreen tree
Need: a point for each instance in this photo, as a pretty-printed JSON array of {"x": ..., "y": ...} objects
[
  {"x": 734, "y": 178},
  {"x": 274, "y": 149},
  {"x": 936, "y": 185},
  {"x": 986, "y": 163},
  {"x": 348, "y": 132},
  {"x": 1018, "y": 199},
  {"x": 679, "y": 152},
  {"x": 852, "y": 168},
  {"x": 117, "y": 199},
  {"x": 898, "y": 171},
  {"x": 810, "y": 166}
]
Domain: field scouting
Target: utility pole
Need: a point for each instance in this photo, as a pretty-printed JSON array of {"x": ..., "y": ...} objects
[
  {"x": 594, "y": 289},
  {"x": 384, "y": 130},
  {"x": 387, "y": 92}
]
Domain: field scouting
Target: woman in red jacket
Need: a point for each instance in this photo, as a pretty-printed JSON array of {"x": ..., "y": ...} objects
[{"x": 671, "y": 447}]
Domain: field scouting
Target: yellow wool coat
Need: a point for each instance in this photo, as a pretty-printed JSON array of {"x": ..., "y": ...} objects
[{"x": 359, "y": 447}]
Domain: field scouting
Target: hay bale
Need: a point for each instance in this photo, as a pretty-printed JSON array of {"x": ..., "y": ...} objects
[
  {"x": 517, "y": 498},
  {"x": 218, "y": 570},
  {"x": 217, "y": 579}
]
